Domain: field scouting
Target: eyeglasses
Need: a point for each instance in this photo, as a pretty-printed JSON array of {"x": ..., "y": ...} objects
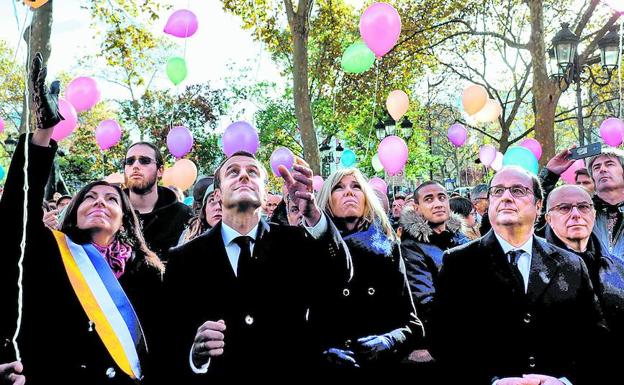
[
  {"x": 516, "y": 191},
  {"x": 143, "y": 160},
  {"x": 566, "y": 208}
]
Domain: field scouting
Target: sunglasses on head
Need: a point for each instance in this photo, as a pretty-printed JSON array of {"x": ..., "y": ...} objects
[{"x": 143, "y": 160}]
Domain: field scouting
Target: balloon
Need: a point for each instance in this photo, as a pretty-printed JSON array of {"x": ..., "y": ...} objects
[
  {"x": 317, "y": 182},
  {"x": 457, "y": 134},
  {"x": 397, "y": 104},
  {"x": 34, "y": 4},
  {"x": 185, "y": 174},
  {"x": 107, "y": 134},
  {"x": 2, "y": 173},
  {"x": 348, "y": 158},
  {"x": 83, "y": 93},
  {"x": 281, "y": 157},
  {"x": 534, "y": 146},
  {"x": 240, "y": 136},
  {"x": 188, "y": 201},
  {"x": 611, "y": 131},
  {"x": 497, "y": 164},
  {"x": 181, "y": 23},
  {"x": 521, "y": 157},
  {"x": 380, "y": 27},
  {"x": 1, "y": 125},
  {"x": 357, "y": 58},
  {"x": 392, "y": 153},
  {"x": 167, "y": 177},
  {"x": 115, "y": 178},
  {"x": 617, "y": 5},
  {"x": 487, "y": 154},
  {"x": 179, "y": 141},
  {"x": 378, "y": 184},
  {"x": 474, "y": 98},
  {"x": 176, "y": 70},
  {"x": 489, "y": 113},
  {"x": 377, "y": 166},
  {"x": 569, "y": 175},
  {"x": 65, "y": 127}
]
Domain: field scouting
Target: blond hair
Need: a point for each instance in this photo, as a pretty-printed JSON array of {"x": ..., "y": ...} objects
[{"x": 373, "y": 211}]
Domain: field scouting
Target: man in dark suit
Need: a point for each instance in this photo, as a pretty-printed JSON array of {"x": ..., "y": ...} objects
[
  {"x": 512, "y": 309},
  {"x": 244, "y": 297}
]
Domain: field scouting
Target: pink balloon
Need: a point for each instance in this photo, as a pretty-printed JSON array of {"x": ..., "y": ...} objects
[
  {"x": 617, "y": 5},
  {"x": 107, "y": 134},
  {"x": 497, "y": 164},
  {"x": 457, "y": 134},
  {"x": 1, "y": 125},
  {"x": 240, "y": 136},
  {"x": 380, "y": 27},
  {"x": 379, "y": 184},
  {"x": 281, "y": 157},
  {"x": 83, "y": 93},
  {"x": 534, "y": 146},
  {"x": 392, "y": 152},
  {"x": 179, "y": 141},
  {"x": 181, "y": 23},
  {"x": 317, "y": 182},
  {"x": 611, "y": 131},
  {"x": 568, "y": 175},
  {"x": 487, "y": 154},
  {"x": 65, "y": 127}
]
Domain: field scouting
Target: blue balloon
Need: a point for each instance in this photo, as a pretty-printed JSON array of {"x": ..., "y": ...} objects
[
  {"x": 348, "y": 158},
  {"x": 2, "y": 173},
  {"x": 521, "y": 157},
  {"x": 188, "y": 201}
]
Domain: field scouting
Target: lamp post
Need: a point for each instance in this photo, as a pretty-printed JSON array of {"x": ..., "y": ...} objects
[
  {"x": 10, "y": 145},
  {"x": 407, "y": 129}
]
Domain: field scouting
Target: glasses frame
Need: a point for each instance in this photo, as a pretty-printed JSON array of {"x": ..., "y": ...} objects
[
  {"x": 526, "y": 190},
  {"x": 141, "y": 159},
  {"x": 572, "y": 206}
]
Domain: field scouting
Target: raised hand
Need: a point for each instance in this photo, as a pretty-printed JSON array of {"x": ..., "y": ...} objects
[
  {"x": 300, "y": 191},
  {"x": 45, "y": 102},
  {"x": 560, "y": 162}
]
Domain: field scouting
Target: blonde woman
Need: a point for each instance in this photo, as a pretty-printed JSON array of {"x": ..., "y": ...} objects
[{"x": 375, "y": 323}]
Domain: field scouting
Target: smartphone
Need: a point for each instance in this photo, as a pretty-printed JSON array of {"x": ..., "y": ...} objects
[{"x": 586, "y": 151}]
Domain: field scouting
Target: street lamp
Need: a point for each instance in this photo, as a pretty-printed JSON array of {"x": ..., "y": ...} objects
[
  {"x": 565, "y": 43},
  {"x": 10, "y": 145},
  {"x": 407, "y": 129},
  {"x": 609, "y": 50},
  {"x": 380, "y": 129},
  {"x": 390, "y": 126}
]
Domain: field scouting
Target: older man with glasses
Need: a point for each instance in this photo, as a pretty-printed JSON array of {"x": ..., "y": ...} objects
[{"x": 526, "y": 306}]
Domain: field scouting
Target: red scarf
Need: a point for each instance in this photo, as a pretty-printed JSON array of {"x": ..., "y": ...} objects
[{"x": 116, "y": 254}]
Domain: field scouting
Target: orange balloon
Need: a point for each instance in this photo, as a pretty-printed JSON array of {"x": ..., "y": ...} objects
[
  {"x": 474, "y": 98},
  {"x": 397, "y": 104},
  {"x": 185, "y": 173},
  {"x": 490, "y": 112},
  {"x": 115, "y": 178},
  {"x": 167, "y": 177},
  {"x": 34, "y": 4}
]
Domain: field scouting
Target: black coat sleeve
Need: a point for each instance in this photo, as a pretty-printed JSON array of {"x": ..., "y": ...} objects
[{"x": 420, "y": 275}]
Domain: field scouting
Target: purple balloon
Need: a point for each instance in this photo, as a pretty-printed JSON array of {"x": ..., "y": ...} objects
[
  {"x": 392, "y": 152},
  {"x": 65, "y": 127},
  {"x": 240, "y": 136},
  {"x": 378, "y": 184},
  {"x": 181, "y": 23},
  {"x": 179, "y": 141},
  {"x": 380, "y": 27},
  {"x": 281, "y": 157},
  {"x": 83, "y": 93},
  {"x": 611, "y": 131},
  {"x": 487, "y": 154},
  {"x": 1, "y": 125},
  {"x": 457, "y": 134},
  {"x": 107, "y": 134},
  {"x": 534, "y": 146}
]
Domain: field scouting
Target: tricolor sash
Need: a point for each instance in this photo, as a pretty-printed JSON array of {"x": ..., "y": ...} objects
[{"x": 105, "y": 303}]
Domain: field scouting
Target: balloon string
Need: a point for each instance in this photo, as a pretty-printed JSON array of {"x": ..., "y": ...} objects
[
  {"x": 620, "y": 71},
  {"x": 370, "y": 131}
]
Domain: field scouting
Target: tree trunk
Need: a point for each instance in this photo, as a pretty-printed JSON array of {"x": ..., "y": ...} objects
[
  {"x": 546, "y": 93},
  {"x": 37, "y": 37},
  {"x": 299, "y": 29}
]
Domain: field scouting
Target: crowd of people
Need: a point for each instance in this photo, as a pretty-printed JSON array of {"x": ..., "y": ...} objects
[{"x": 520, "y": 283}]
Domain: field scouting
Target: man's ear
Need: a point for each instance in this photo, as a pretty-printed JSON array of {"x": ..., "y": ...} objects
[
  {"x": 538, "y": 205},
  {"x": 160, "y": 172}
]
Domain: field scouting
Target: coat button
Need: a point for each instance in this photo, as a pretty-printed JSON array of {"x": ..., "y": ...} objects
[
  {"x": 371, "y": 290},
  {"x": 527, "y": 318},
  {"x": 91, "y": 326},
  {"x": 249, "y": 320},
  {"x": 110, "y": 373},
  {"x": 531, "y": 362},
  {"x": 346, "y": 292}
]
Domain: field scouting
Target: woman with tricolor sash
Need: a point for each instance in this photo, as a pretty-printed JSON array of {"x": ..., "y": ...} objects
[{"x": 80, "y": 303}]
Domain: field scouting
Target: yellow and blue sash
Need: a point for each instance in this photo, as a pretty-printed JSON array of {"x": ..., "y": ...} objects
[{"x": 105, "y": 303}]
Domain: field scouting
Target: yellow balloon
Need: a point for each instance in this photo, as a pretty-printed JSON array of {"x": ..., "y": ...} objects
[
  {"x": 397, "y": 104},
  {"x": 185, "y": 173},
  {"x": 474, "y": 98},
  {"x": 167, "y": 177},
  {"x": 34, "y": 4},
  {"x": 489, "y": 113}
]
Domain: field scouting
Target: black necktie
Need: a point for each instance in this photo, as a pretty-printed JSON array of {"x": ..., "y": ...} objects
[
  {"x": 513, "y": 256},
  {"x": 244, "y": 258}
]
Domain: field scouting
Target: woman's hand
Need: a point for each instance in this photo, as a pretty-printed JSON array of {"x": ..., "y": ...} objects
[{"x": 45, "y": 103}]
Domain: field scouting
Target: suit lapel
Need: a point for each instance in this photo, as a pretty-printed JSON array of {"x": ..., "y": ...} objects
[
  {"x": 544, "y": 267},
  {"x": 215, "y": 248},
  {"x": 499, "y": 265}
]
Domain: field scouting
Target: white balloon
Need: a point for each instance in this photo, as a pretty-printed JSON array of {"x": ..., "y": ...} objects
[
  {"x": 497, "y": 164},
  {"x": 377, "y": 166}
]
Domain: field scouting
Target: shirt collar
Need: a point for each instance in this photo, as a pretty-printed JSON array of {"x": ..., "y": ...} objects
[
  {"x": 527, "y": 247},
  {"x": 229, "y": 234}
]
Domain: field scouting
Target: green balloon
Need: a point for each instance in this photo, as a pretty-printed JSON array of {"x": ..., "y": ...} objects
[
  {"x": 521, "y": 157},
  {"x": 176, "y": 70},
  {"x": 357, "y": 58}
]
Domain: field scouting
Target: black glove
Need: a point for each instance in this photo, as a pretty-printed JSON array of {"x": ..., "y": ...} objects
[
  {"x": 44, "y": 102},
  {"x": 340, "y": 358},
  {"x": 372, "y": 348}
]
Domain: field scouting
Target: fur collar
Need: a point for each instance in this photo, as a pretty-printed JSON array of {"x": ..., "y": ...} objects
[{"x": 418, "y": 228}]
